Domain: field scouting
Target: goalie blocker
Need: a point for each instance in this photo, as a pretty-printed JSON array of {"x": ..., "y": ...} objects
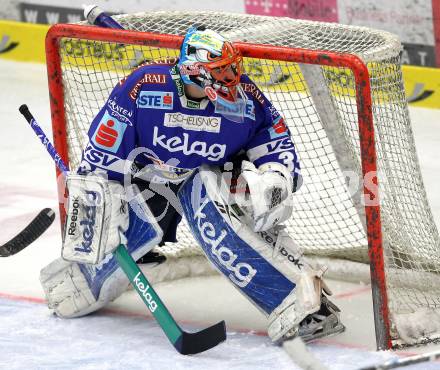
[
  {"x": 97, "y": 217},
  {"x": 88, "y": 276}
]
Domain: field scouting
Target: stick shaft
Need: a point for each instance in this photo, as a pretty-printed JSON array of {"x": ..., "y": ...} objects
[
  {"x": 43, "y": 138},
  {"x": 148, "y": 294},
  {"x": 402, "y": 362}
]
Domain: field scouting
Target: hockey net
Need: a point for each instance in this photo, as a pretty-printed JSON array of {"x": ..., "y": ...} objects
[{"x": 315, "y": 87}]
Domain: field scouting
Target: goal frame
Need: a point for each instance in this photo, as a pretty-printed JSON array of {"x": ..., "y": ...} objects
[{"x": 279, "y": 53}]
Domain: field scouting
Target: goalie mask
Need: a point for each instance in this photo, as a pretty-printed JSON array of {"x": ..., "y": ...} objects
[{"x": 211, "y": 62}]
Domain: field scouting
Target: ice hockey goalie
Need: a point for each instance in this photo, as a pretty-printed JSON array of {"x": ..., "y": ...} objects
[{"x": 191, "y": 137}]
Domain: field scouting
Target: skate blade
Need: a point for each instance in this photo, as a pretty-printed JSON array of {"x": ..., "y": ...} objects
[{"x": 321, "y": 334}]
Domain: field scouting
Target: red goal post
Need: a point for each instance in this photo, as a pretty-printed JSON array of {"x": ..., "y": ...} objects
[{"x": 269, "y": 52}]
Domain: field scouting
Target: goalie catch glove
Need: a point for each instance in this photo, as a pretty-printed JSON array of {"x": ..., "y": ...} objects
[
  {"x": 96, "y": 218},
  {"x": 269, "y": 201}
]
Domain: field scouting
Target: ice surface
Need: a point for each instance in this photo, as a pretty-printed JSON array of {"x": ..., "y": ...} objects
[{"x": 124, "y": 336}]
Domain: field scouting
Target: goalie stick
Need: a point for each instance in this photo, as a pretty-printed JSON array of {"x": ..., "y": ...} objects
[
  {"x": 29, "y": 234},
  {"x": 184, "y": 342},
  {"x": 402, "y": 362}
]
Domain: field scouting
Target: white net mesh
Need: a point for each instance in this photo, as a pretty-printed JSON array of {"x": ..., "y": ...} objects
[{"x": 319, "y": 105}]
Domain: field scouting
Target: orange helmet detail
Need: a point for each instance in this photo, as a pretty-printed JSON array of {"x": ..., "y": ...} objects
[{"x": 208, "y": 60}]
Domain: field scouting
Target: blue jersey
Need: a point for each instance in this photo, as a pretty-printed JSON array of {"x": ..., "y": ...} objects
[{"x": 148, "y": 121}]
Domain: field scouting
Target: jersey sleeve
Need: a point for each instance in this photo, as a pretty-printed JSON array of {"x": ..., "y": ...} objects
[
  {"x": 272, "y": 140},
  {"x": 112, "y": 134}
]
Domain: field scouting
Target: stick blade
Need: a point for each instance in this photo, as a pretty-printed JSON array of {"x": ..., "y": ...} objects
[
  {"x": 29, "y": 234},
  {"x": 192, "y": 343}
]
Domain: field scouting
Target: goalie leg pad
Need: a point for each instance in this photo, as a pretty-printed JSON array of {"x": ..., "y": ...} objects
[
  {"x": 266, "y": 267},
  {"x": 303, "y": 301},
  {"x": 229, "y": 252},
  {"x": 74, "y": 289},
  {"x": 71, "y": 293}
]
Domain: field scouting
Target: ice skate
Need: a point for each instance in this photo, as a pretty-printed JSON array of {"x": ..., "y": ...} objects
[{"x": 323, "y": 323}]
